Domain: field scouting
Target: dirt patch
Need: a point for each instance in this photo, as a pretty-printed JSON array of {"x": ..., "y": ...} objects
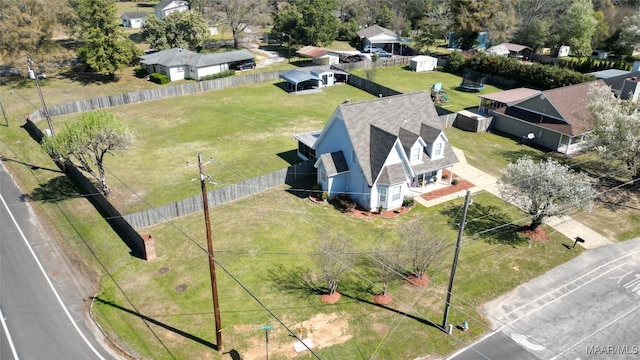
[
  {"x": 324, "y": 330},
  {"x": 330, "y": 298},
  {"x": 419, "y": 281}
]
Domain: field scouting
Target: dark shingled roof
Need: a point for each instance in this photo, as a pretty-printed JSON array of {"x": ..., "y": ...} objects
[
  {"x": 334, "y": 163},
  {"x": 179, "y": 56},
  {"x": 374, "y": 125}
]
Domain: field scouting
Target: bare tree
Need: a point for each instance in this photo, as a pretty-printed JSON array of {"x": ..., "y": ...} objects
[
  {"x": 333, "y": 260},
  {"x": 240, "y": 14},
  {"x": 419, "y": 247}
]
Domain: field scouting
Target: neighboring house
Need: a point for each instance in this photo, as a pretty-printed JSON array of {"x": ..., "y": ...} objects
[
  {"x": 599, "y": 54},
  {"x": 378, "y": 37},
  {"x": 133, "y": 20},
  {"x": 423, "y": 63},
  {"x": 379, "y": 151},
  {"x": 518, "y": 51},
  {"x": 166, "y": 7},
  {"x": 557, "y": 119},
  {"x": 498, "y": 50},
  {"x": 625, "y": 85},
  {"x": 320, "y": 56},
  {"x": 179, "y": 63}
]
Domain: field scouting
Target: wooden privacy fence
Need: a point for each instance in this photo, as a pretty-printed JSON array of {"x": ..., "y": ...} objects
[
  {"x": 220, "y": 196},
  {"x": 160, "y": 92}
]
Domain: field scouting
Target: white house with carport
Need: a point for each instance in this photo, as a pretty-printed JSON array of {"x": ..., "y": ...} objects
[
  {"x": 319, "y": 55},
  {"x": 134, "y": 20},
  {"x": 166, "y": 7},
  {"x": 377, "y": 36},
  {"x": 179, "y": 63},
  {"x": 422, "y": 63},
  {"x": 379, "y": 151}
]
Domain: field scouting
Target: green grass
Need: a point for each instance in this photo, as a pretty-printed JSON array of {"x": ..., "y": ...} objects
[
  {"x": 267, "y": 242},
  {"x": 402, "y": 79}
]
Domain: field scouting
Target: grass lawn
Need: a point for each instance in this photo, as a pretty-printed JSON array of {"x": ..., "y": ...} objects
[
  {"x": 268, "y": 243},
  {"x": 402, "y": 79}
]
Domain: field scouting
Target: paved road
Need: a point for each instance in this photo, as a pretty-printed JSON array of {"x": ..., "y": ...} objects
[
  {"x": 588, "y": 308},
  {"x": 35, "y": 282}
]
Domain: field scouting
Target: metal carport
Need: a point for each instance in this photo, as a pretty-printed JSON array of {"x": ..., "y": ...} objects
[{"x": 296, "y": 79}]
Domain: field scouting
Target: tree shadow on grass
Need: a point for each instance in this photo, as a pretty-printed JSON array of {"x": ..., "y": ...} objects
[
  {"x": 513, "y": 156},
  {"x": 81, "y": 76},
  {"x": 294, "y": 280},
  {"x": 156, "y": 322},
  {"x": 487, "y": 222},
  {"x": 57, "y": 189}
]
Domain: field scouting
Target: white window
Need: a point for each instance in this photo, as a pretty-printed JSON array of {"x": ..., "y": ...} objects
[
  {"x": 382, "y": 195},
  {"x": 437, "y": 149},
  {"x": 323, "y": 176},
  {"x": 416, "y": 154},
  {"x": 395, "y": 193},
  {"x": 354, "y": 158}
]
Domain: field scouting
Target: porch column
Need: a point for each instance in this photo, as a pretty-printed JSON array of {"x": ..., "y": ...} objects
[
  {"x": 568, "y": 144},
  {"x": 451, "y": 175}
]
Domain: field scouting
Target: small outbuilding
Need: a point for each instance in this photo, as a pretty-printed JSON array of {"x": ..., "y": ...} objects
[
  {"x": 301, "y": 82},
  {"x": 423, "y": 63},
  {"x": 133, "y": 20}
]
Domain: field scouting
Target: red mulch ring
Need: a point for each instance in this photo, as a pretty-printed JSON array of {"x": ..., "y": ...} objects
[
  {"x": 330, "y": 298},
  {"x": 382, "y": 299},
  {"x": 317, "y": 199},
  {"x": 538, "y": 235},
  {"x": 419, "y": 281}
]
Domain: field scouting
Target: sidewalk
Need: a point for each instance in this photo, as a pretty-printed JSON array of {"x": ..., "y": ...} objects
[{"x": 565, "y": 225}]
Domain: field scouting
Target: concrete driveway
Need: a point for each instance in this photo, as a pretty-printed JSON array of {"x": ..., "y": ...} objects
[{"x": 588, "y": 308}]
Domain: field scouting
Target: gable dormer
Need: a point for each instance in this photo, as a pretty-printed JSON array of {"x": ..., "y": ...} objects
[
  {"x": 436, "y": 148},
  {"x": 416, "y": 152}
]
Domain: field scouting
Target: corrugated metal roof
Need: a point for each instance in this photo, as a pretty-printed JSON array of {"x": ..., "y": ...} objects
[
  {"x": 297, "y": 76},
  {"x": 308, "y": 138}
]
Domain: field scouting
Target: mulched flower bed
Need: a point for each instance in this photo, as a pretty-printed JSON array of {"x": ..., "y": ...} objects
[{"x": 461, "y": 185}]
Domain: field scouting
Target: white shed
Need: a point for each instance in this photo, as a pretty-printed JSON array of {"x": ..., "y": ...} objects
[
  {"x": 563, "y": 51},
  {"x": 423, "y": 63},
  {"x": 498, "y": 50}
]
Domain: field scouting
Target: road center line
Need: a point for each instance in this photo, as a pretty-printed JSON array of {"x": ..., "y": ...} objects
[{"x": 49, "y": 282}]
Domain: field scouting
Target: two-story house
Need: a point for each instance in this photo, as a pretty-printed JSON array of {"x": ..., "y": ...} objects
[{"x": 378, "y": 151}]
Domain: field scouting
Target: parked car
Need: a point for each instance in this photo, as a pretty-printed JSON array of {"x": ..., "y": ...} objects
[
  {"x": 382, "y": 53},
  {"x": 354, "y": 58},
  {"x": 249, "y": 64},
  {"x": 371, "y": 49}
]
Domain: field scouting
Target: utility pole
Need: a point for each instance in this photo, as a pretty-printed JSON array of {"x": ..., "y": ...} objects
[
  {"x": 212, "y": 263},
  {"x": 455, "y": 261},
  {"x": 34, "y": 76}
]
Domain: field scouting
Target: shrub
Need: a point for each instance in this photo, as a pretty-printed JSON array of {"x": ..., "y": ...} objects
[
  {"x": 454, "y": 62},
  {"x": 219, "y": 75},
  {"x": 140, "y": 72},
  {"x": 407, "y": 201},
  {"x": 380, "y": 208},
  {"x": 454, "y": 182},
  {"x": 325, "y": 195},
  {"x": 445, "y": 177},
  {"x": 159, "y": 78}
]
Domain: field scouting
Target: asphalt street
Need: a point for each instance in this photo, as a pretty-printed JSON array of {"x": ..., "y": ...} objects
[
  {"x": 42, "y": 299},
  {"x": 586, "y": 309}
]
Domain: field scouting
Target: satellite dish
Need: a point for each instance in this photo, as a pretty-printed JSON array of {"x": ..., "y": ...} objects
[{"x": 531, "y": 136}]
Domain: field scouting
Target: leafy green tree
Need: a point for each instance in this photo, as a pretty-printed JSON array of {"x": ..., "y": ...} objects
[
  {"x": 239, "y": 14},
  {"x": 179, "y": 29},
  {"x": 154, "y": 32},
  {"x": 106, "y": 49},
  {"x": 602, "y": 31},
  {"x": 455, "y": 60},
  {"x": 27, "y": 28},
  {"x": 629, "y": 35},
  {"x": 616, "y": 132},
  {"x": 87, "y": 140},
  {"x": 577, "y": 27},
  {"x": 473, "y": 16},
  {"x": 307, "y": 22},
  {"x": 429, "y": 31},
  {"x": 535, "y": 35},
  {"x": 545, "y": 188}
]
